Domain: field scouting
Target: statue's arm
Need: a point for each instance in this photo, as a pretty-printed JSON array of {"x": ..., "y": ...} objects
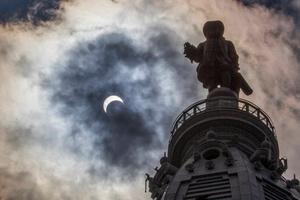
[
  {"x": 199, "y": 53},
  {"x": 233, "y": 55}
]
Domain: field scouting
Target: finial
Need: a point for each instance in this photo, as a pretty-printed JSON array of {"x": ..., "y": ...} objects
[{"x": 164, "y": 159}]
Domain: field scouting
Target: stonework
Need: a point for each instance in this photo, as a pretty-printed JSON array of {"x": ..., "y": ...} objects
[{"x": 223, "y": 148}]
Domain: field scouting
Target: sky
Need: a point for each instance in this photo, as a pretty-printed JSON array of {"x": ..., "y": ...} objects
[{"x": 59, "y": 60}]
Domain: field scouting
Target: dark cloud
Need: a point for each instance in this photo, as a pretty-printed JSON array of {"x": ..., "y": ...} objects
[
  {"x": 267, "y": 3},
  {"x": 116, "y": 64},
  {"x": 34, "y": 11}
]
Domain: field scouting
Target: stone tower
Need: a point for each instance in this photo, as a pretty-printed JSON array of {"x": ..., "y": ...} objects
[{"x": 223, "y": 147}]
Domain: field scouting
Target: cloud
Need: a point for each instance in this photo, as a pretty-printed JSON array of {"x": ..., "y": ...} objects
[
  {"x": 55, "y": 78},
  {"x": 114, "y": 63}
]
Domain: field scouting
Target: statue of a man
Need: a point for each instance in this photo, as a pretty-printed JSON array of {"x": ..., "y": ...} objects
[{"x": 218, "y": 60}]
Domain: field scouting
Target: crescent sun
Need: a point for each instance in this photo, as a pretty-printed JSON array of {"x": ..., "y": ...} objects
[{"x": 109, "y": 100}]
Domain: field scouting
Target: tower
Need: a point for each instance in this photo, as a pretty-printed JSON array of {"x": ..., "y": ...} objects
[{"x": 222, "y": 147}]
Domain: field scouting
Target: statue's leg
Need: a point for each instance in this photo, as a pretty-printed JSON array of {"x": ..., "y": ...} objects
[
  {"x": 235, "y": 83},
  {"x": 212, "y": 85},
  {"x": 226, "y": 79}
]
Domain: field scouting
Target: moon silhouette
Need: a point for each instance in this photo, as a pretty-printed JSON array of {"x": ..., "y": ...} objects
[{"x": 111, "y": 99}]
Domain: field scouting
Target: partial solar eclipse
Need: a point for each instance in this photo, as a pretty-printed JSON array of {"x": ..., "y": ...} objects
[{"x": 111, "y": 99}]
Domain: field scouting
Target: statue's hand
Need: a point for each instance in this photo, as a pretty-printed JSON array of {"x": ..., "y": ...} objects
[{"x": 189, "y": 51}]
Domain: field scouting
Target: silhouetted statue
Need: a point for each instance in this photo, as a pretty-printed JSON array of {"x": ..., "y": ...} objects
[
  {"x": 218, "y": 60},
  {"x": 262, "y": 155},
  {"x": 164, "y": 175},
  {"x": 282, "y": 166}
]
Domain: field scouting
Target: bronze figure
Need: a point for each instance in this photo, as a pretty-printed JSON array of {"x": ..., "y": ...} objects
[{"x": 218, "y": 60}]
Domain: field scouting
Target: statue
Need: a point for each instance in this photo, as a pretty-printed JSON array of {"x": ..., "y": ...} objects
[
  {"x": 262, "y": 155},
  {"x": 155, "y": 189},
  {"x": 164, "y": 175},
  {"x": 218, "y": 60},
  {"x": 282, "y": 166}
]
